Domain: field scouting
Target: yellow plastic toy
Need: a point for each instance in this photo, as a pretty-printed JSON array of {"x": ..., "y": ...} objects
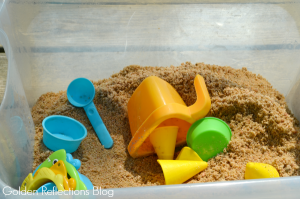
[
  {"x": 155, "y": 103},
  {"x": 57, "y": 174},
  {"x": 43, "y": 176},
  {"x": 187, "y": 153},
  {"x": 260, "y": 170},
  {"x": 179, "y": 171},
  {"x": 60, "y": 168},
  {"x": 163, "y": 140}
]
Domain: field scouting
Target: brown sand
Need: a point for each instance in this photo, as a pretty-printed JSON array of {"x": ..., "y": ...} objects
[{"x": 262, "y": 127}]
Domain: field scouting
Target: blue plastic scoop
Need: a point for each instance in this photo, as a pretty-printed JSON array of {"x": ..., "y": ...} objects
[{"x": 81, "y": 93}]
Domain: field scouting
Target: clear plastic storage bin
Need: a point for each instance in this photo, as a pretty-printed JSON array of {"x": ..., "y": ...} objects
[{"x": 48, "y": 43}]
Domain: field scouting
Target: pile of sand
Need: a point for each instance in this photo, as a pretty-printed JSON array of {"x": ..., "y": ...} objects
[{"x": 263, "y": 130}]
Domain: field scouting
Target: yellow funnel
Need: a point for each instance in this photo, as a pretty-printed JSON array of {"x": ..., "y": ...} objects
[
  {"x": 187, "y": 153},
  {"x": 260, "y": 170},
  {"x": 163, "y": 140},
  {"x": 179, "y": 171}
]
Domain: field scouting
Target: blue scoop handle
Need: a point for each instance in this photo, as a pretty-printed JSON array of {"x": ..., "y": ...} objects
[{"x": 98, "y": 125}]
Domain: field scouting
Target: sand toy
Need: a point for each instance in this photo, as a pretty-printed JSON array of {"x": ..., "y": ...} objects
[
  {"x": 163, "y": 140},
  {"x": 179, "y": 171},
  {"x": 187, "y": 153},
  {"x": 208, "y": 137},
  {"x": 61, "y": 164},
  {"x": 42, "y": 177},
  {"x": 260, "y": 170},
  {"x": 61, "y": 132},
  {"x": 81, "y": 93},
  {"x": 186, "y": 165},
  {"x": 154, "y": 104}
]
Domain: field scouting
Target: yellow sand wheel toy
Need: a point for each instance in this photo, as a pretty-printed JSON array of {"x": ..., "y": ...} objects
[
  {"x": 56, "y": 174},
  {"x": 44, "y": 176},
  {"x": 156, "y": 104}
]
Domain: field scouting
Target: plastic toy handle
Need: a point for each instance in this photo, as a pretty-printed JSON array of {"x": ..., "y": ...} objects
[
  {"x": 203, "y": 103},
  {"x": 98, "y": 125}
]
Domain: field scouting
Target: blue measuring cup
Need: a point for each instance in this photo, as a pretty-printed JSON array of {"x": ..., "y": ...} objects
[{"x": 81, "y": 93}]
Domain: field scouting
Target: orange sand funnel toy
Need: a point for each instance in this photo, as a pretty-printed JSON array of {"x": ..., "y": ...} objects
[
  {"x": 163, "y": 140},
  {"x": 155, "y": 103}
]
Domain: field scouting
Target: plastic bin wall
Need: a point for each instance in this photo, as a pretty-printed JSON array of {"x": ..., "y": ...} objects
[{"x": 49, "y": 43}]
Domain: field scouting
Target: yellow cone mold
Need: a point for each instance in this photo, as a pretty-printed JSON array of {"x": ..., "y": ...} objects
[
  {"x": 155, "y": 103},
  {"x": 260, "y": 170},
  {"x": 163, "y": 140},
  {"x": 187, "y": 153},
  {"x": 179, "y": 171}
]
